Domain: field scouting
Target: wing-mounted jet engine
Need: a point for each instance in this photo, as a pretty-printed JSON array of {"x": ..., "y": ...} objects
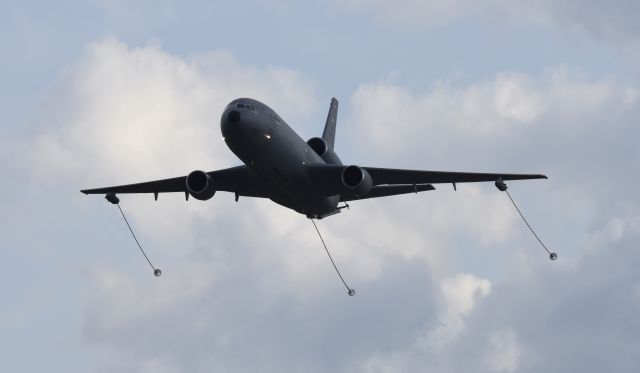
[
  {"x": 200, "y": 185},
  {"x": 356, "y": 180}
]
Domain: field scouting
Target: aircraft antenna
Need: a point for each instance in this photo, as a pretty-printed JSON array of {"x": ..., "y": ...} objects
[
  {"x": 111, "y": 197},
  {"x": 502, "y": 186},
  {"x": 350, "y": 291}
]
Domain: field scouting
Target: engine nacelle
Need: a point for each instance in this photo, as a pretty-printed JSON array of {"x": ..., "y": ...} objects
[
  {"x": 200, "y": 185},
  {"x": 323, "y": 150},
  {"x": 356, "y": 180}
]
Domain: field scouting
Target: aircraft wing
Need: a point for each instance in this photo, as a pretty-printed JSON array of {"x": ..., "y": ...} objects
[
  {"x": 390, "y": 181},
  {"x": 397, "y": 176},
  {"x": 240, "y": 179}
]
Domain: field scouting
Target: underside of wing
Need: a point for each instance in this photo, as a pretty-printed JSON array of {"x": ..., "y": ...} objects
[
  {"x": 240, "y": 180},
  {"x": 352, "y": 182}
]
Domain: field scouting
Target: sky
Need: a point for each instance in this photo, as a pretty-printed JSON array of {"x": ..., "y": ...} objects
[{"x": 104, "y": 92}]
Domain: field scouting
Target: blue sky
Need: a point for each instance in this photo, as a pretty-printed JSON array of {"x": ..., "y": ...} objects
[{"x": 110, "y": 92}]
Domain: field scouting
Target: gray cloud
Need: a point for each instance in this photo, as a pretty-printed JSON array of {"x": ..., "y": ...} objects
[
  {"x": 611, "y": 20},
  {"x": 574, "y": 128},
  {"x": 576, "y": 316},
  {"x": 567, "y": 124},
  {"x": 248, "y": 287}
]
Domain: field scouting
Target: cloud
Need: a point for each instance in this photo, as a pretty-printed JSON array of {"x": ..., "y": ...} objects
[
  {"x": 561, "y": 317},
  {"x": 614, "y": 19},
  {"x": 549, "y": 318},
  {"x": 515, "y": 118},
  {"x": 122, "y": 115},
  {"x": 119, "y": 101},
  {"x": 573, "y": 127},
  {"x": 458, "y": 295},
  {"x": 439, "y": 275},
  {"x": 234, "y": 275},
  {"x": 504, "y": 352}
]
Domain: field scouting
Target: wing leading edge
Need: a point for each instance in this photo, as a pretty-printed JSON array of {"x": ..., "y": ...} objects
[
  {"x": 397, "y": 176},
  {"x": 389, "y": 181},
  {"x": 241, "y": 180}
]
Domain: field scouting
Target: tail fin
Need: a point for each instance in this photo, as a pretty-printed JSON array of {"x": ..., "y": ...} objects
[{"x": 329, "y": 134}]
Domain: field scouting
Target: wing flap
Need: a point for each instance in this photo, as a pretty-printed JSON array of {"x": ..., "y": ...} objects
[{"x": 389, "y": 190}]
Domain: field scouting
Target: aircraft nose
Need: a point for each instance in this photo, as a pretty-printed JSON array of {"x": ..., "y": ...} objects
[
  {"x": 233, "y": 116},
  {"x": 230, "y": 123}
]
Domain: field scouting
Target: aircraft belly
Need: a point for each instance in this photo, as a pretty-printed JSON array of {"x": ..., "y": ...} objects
[
  {"x": 282, "y": 163},
  {"x": 279, "y": 156}
]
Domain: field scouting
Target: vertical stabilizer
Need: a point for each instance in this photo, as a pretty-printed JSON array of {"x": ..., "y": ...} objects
[{"x": 329, "y": 134}]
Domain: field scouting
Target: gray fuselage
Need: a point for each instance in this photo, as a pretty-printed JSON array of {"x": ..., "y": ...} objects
[{"x": 277, "y": 154}]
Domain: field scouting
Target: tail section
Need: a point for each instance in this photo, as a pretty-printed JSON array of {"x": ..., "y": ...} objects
[{"x": 329, "y": 134}]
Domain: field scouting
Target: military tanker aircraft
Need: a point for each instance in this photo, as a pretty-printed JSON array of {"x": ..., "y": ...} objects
[{"x": 307, "y": 177}]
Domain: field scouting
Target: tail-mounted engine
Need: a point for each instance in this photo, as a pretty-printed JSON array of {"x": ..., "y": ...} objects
[
  {"x": 356, "y": 180},
  {"x": 323, "y": 150},
  {"x": 200, "y": 185}
]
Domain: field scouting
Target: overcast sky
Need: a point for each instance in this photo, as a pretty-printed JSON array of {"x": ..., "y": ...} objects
[{"x": 107, "y": 92}]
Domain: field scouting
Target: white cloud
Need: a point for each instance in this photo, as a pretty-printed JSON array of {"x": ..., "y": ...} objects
[
  {"x": 123, "y": 115},
  {"x": 459, "y": 294},
  {"x": 513, "y": 117},
  {"x": 231, "y": 273},
  {"x": 122, "y": 103},
  {"x": 561, "y": 122},
  {"x": 248, "y": 287},
  {"x": 542, "y": 317}
]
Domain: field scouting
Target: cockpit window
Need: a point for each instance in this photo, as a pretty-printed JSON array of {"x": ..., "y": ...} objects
[{"x": 247, "y": 106}]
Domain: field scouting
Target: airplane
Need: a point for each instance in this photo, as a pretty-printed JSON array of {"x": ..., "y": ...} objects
[{"x": 305, "y": 176}]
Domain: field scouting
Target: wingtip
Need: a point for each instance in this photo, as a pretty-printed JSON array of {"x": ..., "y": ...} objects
[{"x": 84, "y": 192}]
